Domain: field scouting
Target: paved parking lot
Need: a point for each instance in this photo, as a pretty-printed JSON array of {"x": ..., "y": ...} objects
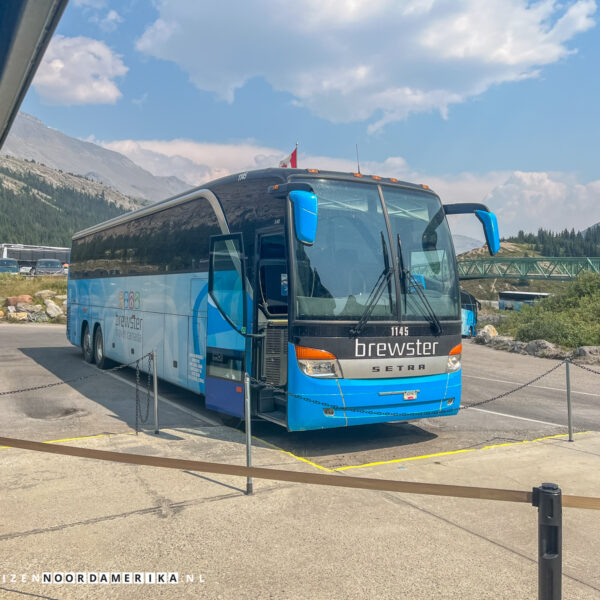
[
  {"x": 62, "y": 514},
  {"x": 39, "y": 354}
]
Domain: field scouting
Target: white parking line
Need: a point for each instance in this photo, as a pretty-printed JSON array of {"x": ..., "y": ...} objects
[
  {"x": 516, "y": 417},
  {"x": 188, "y": 411},
  {"x": 541, "y": 387}
]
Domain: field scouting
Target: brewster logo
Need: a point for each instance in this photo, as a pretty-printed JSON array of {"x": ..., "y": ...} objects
[{"x": 392, "y": 349}]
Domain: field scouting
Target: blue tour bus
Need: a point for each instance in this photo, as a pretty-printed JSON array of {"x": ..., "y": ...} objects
[
  {"x": 469, "y": 307},
  {"x": 337, "y": 293}
]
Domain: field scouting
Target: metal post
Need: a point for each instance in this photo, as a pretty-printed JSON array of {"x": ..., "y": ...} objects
[
  {"x": 156, "y": 428},
  {"x": 569, "y": 414},
  {"x": 547, "y": 498},
  {"x": 248, "y": 423}
]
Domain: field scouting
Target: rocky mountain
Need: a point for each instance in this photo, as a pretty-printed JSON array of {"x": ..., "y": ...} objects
[
  {"x": 39, "y": 205},
  {"x": 30, "y": 139}
]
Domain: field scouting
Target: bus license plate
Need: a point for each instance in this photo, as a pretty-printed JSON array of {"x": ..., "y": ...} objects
[{"x": 411, "y": 395}]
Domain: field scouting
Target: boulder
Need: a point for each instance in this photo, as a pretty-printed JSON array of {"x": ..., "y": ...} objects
[
  {"x": 588, "y": 354},
  {"x": 45, "y": 294},
  {"x": 545, "y": 349},
  {"x": 52, "y": 310},
  {"x": 38, "y": 317},
  {"x": 11, "y": 309},
  {"x": 29, "y": 308},
  {"x": 502, "y": 342},
  {"x": 18, "y": 316},
  {"x": 14, "y": 300},
  {"x": 519, "y": 347},
  {"x": 486, "y": 334},
  {"x": 60, "y": 297}
]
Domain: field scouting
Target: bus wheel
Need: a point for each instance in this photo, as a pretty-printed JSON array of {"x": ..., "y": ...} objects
[
  {"x": 86, "y": 345},
  {"x": 101, "y": 361}
]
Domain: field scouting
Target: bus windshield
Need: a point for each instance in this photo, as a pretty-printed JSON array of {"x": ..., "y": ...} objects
[
  {"x": 337, "y": 276},
  {"x": 424, "y": 245}
]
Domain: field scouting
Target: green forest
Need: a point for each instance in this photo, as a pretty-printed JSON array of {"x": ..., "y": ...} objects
[
  {"x": 27, "y": 219},
  {"x": 563, "y": 243}
]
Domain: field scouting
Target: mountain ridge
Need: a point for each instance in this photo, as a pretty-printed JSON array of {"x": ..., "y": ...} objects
[{"x": 30, "y": 139}]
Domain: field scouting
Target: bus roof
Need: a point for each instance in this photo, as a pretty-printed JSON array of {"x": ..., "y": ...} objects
[
  {"x": 282, "y": 174},
  {"x": 510, "y": 295}
]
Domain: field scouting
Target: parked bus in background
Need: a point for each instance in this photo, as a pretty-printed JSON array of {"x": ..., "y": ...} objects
[
  {"x": 27, "y": 255},
  {"x": 513, "y": 300},
  {"x": 468, "y": 308},
  {"x": 337, "y": 293}
]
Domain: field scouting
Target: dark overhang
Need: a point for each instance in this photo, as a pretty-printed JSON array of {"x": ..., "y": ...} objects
[{"x": 26, "y": 27}]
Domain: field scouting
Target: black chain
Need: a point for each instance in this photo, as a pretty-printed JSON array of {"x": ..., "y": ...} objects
[
  {"x": 584, "y": 367},
  {"x": 524, "y": 385},
  {"x": 405, "y": 415},
  {"x": 81, "y": 378}
]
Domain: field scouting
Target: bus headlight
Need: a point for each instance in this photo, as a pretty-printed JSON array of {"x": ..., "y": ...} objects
[
  {"x": 317, "y": 363},
  {"x": 454, "y": 359}
]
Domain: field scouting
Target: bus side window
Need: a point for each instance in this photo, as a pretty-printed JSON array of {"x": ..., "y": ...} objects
[{"x": 273, "y": 275}]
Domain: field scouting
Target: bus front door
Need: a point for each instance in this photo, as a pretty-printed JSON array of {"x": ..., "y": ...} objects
[{"x": 225, "y": 339}]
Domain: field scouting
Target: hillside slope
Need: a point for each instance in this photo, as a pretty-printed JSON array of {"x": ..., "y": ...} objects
[
  {"x": 42, "y": 206},
  {"x": 30, "y": 139}
]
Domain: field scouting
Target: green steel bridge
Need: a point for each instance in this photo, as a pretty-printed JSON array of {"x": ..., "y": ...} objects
[{"x": 550, "y": 268}]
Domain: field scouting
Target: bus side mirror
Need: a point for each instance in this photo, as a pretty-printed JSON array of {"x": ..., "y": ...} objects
[
  {"x": 487, "y": 218},
  {"x": 306, "y": 215},
  {"x": 490, "y": 228}
]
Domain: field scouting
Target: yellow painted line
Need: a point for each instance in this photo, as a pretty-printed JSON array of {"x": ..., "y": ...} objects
[
  {"x": 304, "y": 460},
  {"x": 450, "y": 452},
  {"x": 85, "y": 437}
]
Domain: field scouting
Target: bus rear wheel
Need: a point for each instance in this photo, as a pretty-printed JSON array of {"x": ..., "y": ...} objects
[
  {"x": 101, "y": 361},
  {"x": 86, "y": 345}
]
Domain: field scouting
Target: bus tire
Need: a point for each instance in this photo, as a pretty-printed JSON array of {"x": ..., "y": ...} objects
[
  {"x": 101, "y": 361},
  {"x": 86, "y": 345}
]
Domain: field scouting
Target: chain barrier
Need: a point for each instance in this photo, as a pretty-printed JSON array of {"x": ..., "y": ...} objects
[
  {"x": 520, "y": 387},
  {"x": 138, "y": 404},
  {"x": 75, "y": 379},
  {"x": 420, "y": 415},
  {"x": 583, "y": 367}
]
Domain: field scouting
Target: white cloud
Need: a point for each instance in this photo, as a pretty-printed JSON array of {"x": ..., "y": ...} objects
[
  {"x": 111, "y": 21},
  {"x": 553, "y": 201},
  {"x": 79, "y": 70},
  {"x": 380, "y": 60},
  {"x": 521, "y": 200}
]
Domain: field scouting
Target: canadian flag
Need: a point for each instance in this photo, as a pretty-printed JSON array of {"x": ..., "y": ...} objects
[{"x": 291, "y": 160}]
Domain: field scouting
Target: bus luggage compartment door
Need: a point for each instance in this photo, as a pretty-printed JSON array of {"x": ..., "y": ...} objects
[{"x": 226, "y": 315}]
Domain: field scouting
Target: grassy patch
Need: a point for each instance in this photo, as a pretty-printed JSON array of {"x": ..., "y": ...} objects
[
  {"x": 571, "y": 318},
  {"x": 15, "y": 285}
]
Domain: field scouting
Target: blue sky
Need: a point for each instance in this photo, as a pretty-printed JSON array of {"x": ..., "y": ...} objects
[{"x": 495, "y": 101}]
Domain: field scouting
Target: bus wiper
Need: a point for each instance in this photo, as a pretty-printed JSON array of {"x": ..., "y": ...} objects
[
  {"x": 376, "y": 292},
  {"x": 406, "y": 275}
]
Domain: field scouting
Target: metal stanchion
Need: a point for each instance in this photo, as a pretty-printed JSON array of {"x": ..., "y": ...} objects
[
  {"x": 248, "y": 419},
  {"x": 569, "y": 414},
  {"x": 547, "y": 498},
  {"x": 156, "y": 429}
]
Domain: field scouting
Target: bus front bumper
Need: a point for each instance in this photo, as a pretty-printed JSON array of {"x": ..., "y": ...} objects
[{"x": 315, "y": 403}]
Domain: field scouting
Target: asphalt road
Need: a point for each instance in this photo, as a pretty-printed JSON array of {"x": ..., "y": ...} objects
[{"x": 32, "y": 355}]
